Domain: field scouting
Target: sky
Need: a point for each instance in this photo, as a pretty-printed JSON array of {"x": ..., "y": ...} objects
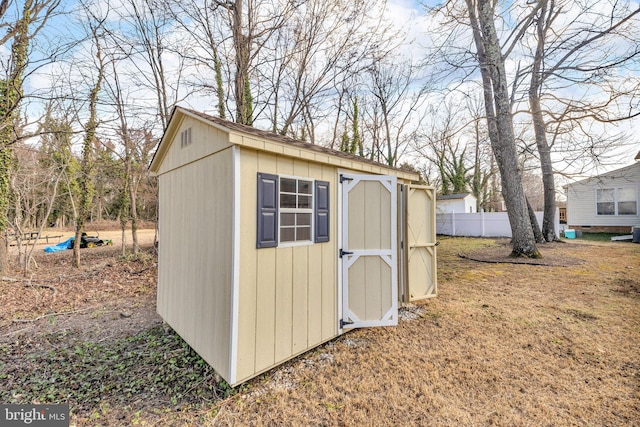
[{"x": 406, "y": 15}]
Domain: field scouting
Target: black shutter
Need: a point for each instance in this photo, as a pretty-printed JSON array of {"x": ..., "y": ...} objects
[
  {"x": 267, "y": 211},
  {"x": 321, "y": 213}
]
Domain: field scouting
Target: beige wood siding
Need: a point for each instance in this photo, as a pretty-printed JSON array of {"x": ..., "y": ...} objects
[
  {"x": 195, "y": 255},
  {"x": 287, "y": 295},
  {"x": 420, "y": 238},
  {"x": 278, "y": 148},
  {"x": 205, "y": 140},
  {"x": 581, "y": 198}
]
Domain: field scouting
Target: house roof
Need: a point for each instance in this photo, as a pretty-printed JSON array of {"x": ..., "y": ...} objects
[
  {"x": 454, "y": 196},
  {"x": 614, "y": 173},
  {"x": 239, "y": 129}
]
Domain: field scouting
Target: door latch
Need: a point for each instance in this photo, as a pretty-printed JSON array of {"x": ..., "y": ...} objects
[
  {"x": 343, "y": 323},
  {"x": 344, "y": 178},
  {"x": 342, "y": 253}
]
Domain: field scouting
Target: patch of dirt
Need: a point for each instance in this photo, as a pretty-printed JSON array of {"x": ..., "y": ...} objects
[
  {"x": 580, "y": 314},
  {"x": 409, "y": 312},
  {"x": 628, "y": 286},
  {"x": 108, "y": 297},
  {"x": 554, "y": 254}
]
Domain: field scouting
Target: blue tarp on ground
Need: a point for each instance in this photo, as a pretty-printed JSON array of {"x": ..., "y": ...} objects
[{"x": 67, "y": 244}]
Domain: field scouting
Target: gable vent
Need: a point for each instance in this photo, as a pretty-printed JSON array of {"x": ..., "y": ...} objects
[{"x": 185, "y": 138}]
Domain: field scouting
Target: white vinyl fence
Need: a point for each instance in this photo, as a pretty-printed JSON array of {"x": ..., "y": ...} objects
[{"x": 481, "y": 224}]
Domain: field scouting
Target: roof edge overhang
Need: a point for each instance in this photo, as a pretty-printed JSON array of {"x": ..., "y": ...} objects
[
  {"x": 261, "y": 143},
  {"x": 611, "y": 174}
]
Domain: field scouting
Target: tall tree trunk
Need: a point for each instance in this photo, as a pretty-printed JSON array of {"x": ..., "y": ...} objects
[
  {"x": 10, "y": 97},
  {"x": 387, "y": 138},
  {"x": 133, "y": 213},
  {"x": 242, "y": 50},
  {"x": 123, "y": 234},
  {"x": 4, "y": 251},
  {"x": 86, "y": 183},
  {"x": 500, "y": 121},
  {"x": 546, "y": 166},
  {"x": 476, "y": 183},
  {"x": 124, "y": 196},
  {"x": 219, "y": 85},
  {"x": 5, "y": 161},
  {"x": 20, "y": 226},
  {"x": 535, "y": 227},
  {"x": 540, "y": 132}
]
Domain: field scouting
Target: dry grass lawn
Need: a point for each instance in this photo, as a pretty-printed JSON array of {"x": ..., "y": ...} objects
[{"x": 502, "y": 344}]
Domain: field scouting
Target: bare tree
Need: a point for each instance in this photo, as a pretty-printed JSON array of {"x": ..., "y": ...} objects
[
  {"x": 391, "y": 88},
  {"x": 497, "y": 99},
  {"x": 201, "y": 20},
  {"x": 563, "y": 51},
  {"x": 483, "y": 172},
  {"x": 252, "y": 24},
  {"x": 33, "y": 17},
  {"x": 34, "y": 186},
  {"x": 323, "y": 46},
  {"x": 128, "y": 189},
  {"x": 144, "y": 36},
  {"x": 441, "y": 145},
  {"x": 86, "y": 173}
]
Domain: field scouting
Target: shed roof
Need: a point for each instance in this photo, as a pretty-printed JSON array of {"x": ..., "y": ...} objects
[
  {"x": 276, "y": 143},
  {"x": 453, "y": 196}
]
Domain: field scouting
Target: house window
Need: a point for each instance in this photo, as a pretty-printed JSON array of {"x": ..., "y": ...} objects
[
  {"x": 605, "y": 201},
  {"x": 291, "y": 210},
  {"x": 616, "y": 201},
  {"x": 296, "y": 209},
  {"x": 627, "y": 203}
]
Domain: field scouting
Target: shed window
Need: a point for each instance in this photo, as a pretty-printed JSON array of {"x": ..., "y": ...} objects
[
  {"x": 617, "y": 201},
  {"x": 296, "y": 210},
  {"x": 292, "y": 211}
]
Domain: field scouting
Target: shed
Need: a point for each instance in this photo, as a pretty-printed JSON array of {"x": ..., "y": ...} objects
[
  {"x": 271, "y": 246},
  {"x": 606, "y": 202},
  {"x": 458, "y": 203}
]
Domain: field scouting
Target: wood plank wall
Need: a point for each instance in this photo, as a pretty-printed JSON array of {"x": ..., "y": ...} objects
[
  {"x": 287, "y": 295},
  {"x": 195, "y": 257}
]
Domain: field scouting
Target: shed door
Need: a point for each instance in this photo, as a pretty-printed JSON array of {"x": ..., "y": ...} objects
[
  {"x": 368, "y": 251},
  {"x": 420, "y": 238}
]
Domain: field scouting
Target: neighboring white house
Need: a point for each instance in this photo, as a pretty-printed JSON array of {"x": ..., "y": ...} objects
[
  {"x": 607, "y": 202},
  {"x": 458, "y": 203}
]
